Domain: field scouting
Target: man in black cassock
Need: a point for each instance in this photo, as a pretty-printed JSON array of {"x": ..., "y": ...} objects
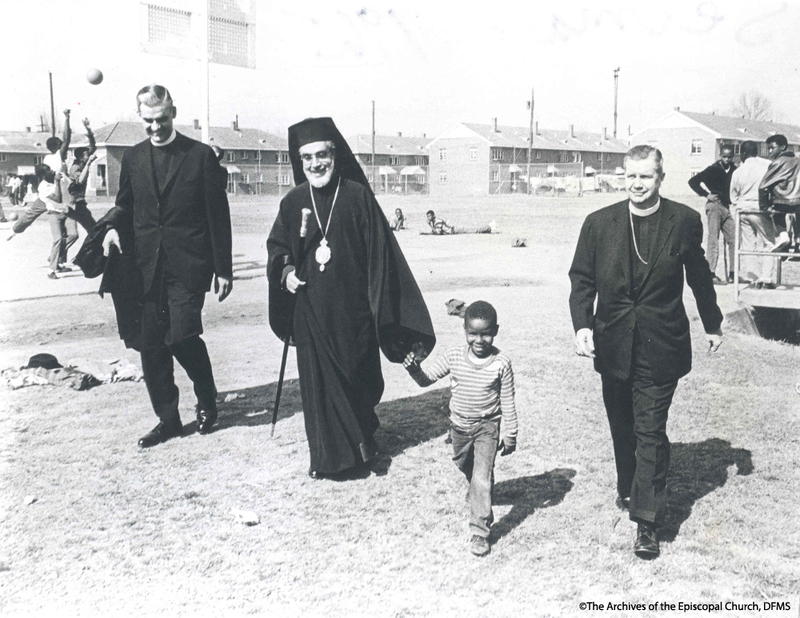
[{"x": 352, "y": 295}]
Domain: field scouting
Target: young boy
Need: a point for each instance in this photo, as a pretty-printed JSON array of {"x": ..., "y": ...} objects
[{"x": 482, "y": 385}]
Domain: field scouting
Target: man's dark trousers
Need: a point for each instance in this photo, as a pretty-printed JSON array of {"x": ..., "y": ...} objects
[
  {"x": 637, "y": 411},
  {"x": 171, "y": 326}
]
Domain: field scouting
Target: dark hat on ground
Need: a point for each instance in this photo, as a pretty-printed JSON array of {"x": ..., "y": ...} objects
[{"x": 44, "y": 360}]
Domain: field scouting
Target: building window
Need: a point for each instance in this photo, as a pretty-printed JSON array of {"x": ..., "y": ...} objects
[
  {"x": 443, "y": 155},
  {"x": 393, "y": 160},
  {"x": 420, "y": 161},
  {"x": 3, "y": 157},
  {"x": 420, "y": 180},
  {"x": 245, "y": 178},
  {"x": 285, "y": 180},
  {"x": 37, "y": 159},
  {"x": 231, "y": 156},
  {"x": 243, "y": 156},
  {"x": 495, "y": 176},
  {"x": 442, "y": 177},
  {"x": 538, "y": 154},
  {"x": 497, "y": 154},
  {"x": 257, "y": 155},
  {"x": 697, "y": 146},
  {"x": 562, "y": 156},
  {"x": 599, "y": 156},
  {"x": 473, "y": 154}
]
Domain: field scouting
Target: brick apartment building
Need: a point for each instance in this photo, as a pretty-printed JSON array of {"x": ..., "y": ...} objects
[
  {"x": 690, "y": 142},
  {"x": 400, "y": 165},
  {"x": 487, "y": 159},
  {"x": 257, "y": 162},
  {"x": 20, "y": 151}
]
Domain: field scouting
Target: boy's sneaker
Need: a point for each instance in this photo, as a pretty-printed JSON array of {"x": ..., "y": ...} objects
[{"x": 479, "y": 545}]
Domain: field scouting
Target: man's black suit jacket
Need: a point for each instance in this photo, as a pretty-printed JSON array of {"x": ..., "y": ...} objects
[
  {"x": 601, "y": 269},
  {"x": 189, "y": 220}
]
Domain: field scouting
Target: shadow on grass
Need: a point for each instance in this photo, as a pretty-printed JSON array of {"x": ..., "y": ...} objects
[
  {"x": 526, "y": 494},
  {"x": 405, "y": 423},
  {"x": 253, "y": 406},
  {"x": 695, "y": 471}
]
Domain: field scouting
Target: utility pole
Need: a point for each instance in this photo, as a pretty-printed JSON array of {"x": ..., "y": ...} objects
[
  {"x": 530, "y": 141},
  {"x": 52, "y": 107},
  {"x": 374, "y": 184},
  {"x": 616, "y": 89}
]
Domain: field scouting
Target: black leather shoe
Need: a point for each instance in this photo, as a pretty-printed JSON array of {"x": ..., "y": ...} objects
[
  {"x": 205, "y": 418},
  {"x": 646, "y": 546},
  {"x": 623, "y": 504},
  {"x": 161, "y": 433}
]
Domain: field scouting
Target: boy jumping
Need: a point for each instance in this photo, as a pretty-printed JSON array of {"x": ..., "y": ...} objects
[{"x": 482, "y": 385}]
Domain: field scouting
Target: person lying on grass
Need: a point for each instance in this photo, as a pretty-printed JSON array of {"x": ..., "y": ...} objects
[
  {"x": 440, "y": 226},
  {"x": 482, "y": 384}
]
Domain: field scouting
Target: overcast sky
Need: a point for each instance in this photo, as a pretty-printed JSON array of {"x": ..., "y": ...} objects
[{"x": 427, "y": 64}]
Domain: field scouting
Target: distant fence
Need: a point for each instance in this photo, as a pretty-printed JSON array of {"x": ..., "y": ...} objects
[
  {"x": 278, "y": 179},
  {"x": 552, "y": 178}
]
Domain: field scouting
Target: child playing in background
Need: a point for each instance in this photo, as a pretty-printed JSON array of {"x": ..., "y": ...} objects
[{"x": 482, "y": 398}]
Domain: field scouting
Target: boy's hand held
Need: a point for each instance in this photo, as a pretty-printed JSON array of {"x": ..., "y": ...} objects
[{"x": 410, "y": 361}]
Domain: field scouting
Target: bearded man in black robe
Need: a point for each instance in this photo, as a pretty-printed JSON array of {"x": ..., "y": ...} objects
[{"x": 352, "y": 296}]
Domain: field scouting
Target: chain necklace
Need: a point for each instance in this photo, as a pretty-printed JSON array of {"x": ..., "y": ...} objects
[
  {"x": 633, "y": 234},
  {"x": 323, "y": 252}
]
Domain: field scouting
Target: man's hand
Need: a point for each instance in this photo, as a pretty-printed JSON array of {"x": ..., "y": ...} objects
[
  {"x": 584, "y": 342},
  {"x": 506, "y": 448},
  {"x": 293, "y": 283},
  {"x": 223, "y": 286},
  {"x": 86, "y": 122},
  {"x": 410, "y": 360},
  {"x": 713, "y": 197},
  {"x": 111, "y": 238},
  {"x": 714, "y": 340},
  {"x": 66, "y": 112}
]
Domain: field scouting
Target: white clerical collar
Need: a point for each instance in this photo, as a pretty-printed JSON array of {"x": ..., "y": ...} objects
[
  {"x": 170, "y": 139},
  {"x": 644, "y": 212}
]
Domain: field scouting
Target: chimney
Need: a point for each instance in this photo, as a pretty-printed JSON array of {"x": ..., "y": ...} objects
[
  {"x": 233, "y": 125},
  {"x": 424, "y": 135},
  {"x": 494, "y": 125},
  {"x": 399, "y": 134},
  {"x": 629, "y": 131},
  {"x": 677, "y": 108},
  {"x": 605, "y": 133},
  {"x": 536, "y": 128},
  {"x": 196, "y": 123},
  {"x": 572, "y": 130},
  {"x": 27, "y": 129}
]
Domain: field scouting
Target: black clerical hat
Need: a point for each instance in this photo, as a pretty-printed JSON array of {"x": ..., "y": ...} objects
[{"x": 323, "y": 130}]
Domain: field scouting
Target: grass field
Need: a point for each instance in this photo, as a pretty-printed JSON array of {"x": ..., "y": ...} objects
[{"x": 117, "y": 531}]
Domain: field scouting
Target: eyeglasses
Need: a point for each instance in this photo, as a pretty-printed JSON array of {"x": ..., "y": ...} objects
[{"x": 322, "y": 155}]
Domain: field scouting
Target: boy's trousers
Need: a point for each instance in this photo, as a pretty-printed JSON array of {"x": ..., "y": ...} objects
[{"x": 474, "y": 452}]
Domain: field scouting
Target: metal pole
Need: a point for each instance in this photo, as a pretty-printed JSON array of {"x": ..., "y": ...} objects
[
  {"x": 374, "y": 184},
  {"x": 616, "y": 88},
  {"x": 530, "y": 144},
  {"x": 280, "y": 167},
  {"x": 205, "y": 17},
  {"x": 52, "y": 107}
]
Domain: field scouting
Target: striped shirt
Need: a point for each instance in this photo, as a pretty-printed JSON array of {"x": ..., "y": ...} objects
[{"x": 479, "y": 391}]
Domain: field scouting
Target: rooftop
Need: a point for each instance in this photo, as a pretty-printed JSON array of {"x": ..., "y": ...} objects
[
  {"x": 546, "y": 139},
  {"x": 729, "y": 127},
  {"x": 130, "y": 133},
  {"x": 388, "y": 144}
]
